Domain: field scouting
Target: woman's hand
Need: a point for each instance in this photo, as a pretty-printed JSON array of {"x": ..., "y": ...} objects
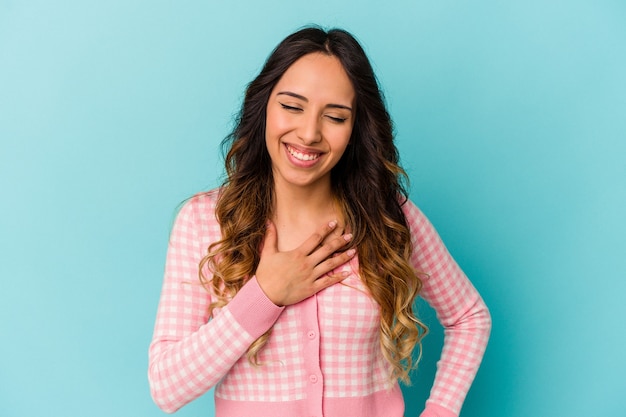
[{"x": 290, "y": 277}]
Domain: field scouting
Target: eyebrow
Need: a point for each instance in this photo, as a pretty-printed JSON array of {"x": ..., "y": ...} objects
[{"x": 300, "y": 97}]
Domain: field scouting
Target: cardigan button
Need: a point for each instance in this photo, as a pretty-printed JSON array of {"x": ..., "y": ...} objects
[
  {"x": 313, "y": 379},
  {"x": 311, "y": 334}
]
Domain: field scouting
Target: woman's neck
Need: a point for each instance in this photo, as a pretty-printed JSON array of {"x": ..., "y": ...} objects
[{"x": 300, "y": 211}]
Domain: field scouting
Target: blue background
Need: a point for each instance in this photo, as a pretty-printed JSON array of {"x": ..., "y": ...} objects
[{"x": 511, "y": 121}]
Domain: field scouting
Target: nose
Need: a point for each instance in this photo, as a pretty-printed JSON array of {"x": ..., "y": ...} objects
[{"x": 309, "y": 130}]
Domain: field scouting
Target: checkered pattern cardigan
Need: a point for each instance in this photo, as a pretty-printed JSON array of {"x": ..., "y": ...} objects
[{"x": 323, "y": 357}]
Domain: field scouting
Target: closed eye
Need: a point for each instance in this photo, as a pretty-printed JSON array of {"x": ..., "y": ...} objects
[
  {"x": 337, "y": 119},
  {"x": 290, "y": 108}
]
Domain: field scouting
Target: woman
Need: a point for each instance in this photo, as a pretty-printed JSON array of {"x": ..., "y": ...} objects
[{"x": 310, "y": 257}]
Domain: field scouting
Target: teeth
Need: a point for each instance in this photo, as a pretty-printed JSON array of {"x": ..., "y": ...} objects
[{"x": 302, "y": 156}]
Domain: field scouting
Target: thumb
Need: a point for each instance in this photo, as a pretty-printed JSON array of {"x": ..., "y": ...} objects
[{"x": 270, "y": 243}]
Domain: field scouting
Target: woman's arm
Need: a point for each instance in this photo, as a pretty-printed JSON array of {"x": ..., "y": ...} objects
[
  {"x": 459, "y": 308},
  {"x": 189, "y": 353}
]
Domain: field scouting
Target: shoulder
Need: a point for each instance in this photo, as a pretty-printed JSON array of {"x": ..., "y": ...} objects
[
  {"x": 198, "y": 211},
  {"x": 202, "y": 202},
  {"x": 411, "y": 211},
  {"x": 419, "y": 225}
]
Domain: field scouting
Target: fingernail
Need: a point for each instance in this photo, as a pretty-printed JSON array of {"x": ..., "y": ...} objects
[
  {"x": 351, "y": 252},
  {"x": 332, "y": 224},
  {"x": 347, "y": 237}
]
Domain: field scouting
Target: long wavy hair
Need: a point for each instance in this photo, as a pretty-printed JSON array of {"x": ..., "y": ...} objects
[{"x": 367, "y": 183}]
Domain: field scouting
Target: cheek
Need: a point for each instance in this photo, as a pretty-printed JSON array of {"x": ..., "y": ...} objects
[
  {"x": 275, "y": 123},
  {"x": 341, "y": 139}
]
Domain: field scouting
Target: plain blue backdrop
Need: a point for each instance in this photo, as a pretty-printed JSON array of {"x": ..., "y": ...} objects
[{"x": 510, "y": 119}]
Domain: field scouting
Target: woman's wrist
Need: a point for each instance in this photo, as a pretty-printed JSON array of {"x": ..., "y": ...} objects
[{"x": 253, "y": 309}]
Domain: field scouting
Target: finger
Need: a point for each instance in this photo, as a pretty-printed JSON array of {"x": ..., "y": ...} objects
[
  {"x": 339, "y": 230},
  {"x": 270, "y": 242},
  {"x": 328, "y": 280},
  {"x": 317, "y": 238},
  {"x": 333, "y": 262},
  {"x": 328, "y": 248}
]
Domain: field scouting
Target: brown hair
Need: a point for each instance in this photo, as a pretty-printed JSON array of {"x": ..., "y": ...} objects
[{"x": 367, "y": 182}]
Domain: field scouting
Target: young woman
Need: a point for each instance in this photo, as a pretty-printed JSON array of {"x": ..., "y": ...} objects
[{"x": 290, "y": 289}]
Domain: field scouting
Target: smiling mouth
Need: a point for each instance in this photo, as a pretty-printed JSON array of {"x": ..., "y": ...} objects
[{"x": 302, "y": 156}]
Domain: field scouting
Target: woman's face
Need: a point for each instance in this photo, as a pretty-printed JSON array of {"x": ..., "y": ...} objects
[{"x": 310, "y": 114}]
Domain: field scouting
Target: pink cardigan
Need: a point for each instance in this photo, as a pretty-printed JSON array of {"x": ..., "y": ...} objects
[{"x": 323, "y": 358}]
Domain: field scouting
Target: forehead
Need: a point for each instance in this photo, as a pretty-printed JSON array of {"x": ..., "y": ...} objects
[{"x": 318, "y": 76}]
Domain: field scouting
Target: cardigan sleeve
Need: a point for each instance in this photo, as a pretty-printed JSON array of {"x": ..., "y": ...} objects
[
  {"x": 460, "y": 310},
  {"x": 191, "y": 352}
]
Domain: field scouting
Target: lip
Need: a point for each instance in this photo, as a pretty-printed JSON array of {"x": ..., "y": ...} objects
[{"x": 301, "y": 157}]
